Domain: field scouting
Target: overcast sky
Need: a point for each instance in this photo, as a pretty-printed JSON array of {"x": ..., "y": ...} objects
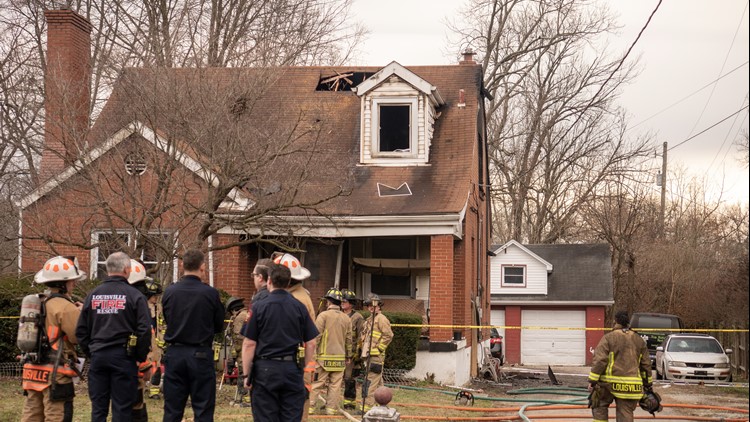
[{"x": 688, "y": 45}]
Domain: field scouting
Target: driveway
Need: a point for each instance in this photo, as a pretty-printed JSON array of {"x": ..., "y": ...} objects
[{"x": 679, "y": 400}]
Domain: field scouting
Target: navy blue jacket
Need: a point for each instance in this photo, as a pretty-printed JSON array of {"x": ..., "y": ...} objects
[
  {"x": 279, "y": 323},
  {"x": 111, "y": 313},
  {"x": 192, "y": 311}
]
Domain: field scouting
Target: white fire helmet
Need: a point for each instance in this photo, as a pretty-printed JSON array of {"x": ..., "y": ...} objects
[
  {"x": 298, "y": 271},
  {"x": 137, "y": 272},
  {"x": 59, "y": 268}
]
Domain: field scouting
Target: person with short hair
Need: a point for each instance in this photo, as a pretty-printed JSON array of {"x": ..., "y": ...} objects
[
  {"x": 193, "y": 313},
  {"x": 114, "y": 329},
  {"x": 261, "y": 273},
  {"x": 620, "y": 371},
  {"x": 277, "y": 326}
]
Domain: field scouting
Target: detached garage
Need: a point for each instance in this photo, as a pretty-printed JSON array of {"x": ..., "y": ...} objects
[{"x": 544, "y": 297}]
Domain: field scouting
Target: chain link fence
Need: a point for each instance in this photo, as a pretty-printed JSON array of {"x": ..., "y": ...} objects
[{"x": 390, "y": 376}]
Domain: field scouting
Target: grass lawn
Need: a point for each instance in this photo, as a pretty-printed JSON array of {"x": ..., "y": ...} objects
[{"x": 11, "y": 404}]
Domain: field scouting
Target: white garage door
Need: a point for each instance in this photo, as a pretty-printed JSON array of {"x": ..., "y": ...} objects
[
  {"x": 550, "y": 346},
  {"x": 497, "y": 318}
]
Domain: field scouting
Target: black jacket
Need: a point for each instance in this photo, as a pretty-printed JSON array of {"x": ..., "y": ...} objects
[{"x": 111, "y": 313}]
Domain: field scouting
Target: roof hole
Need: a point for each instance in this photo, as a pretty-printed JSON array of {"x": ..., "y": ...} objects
[{"x": 342, "y": 81}]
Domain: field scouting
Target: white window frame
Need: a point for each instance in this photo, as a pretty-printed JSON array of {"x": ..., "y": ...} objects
[
  {"x": 413, "y": 104},
  {"x": 502, "y": 275},
  {"x": 95, "y": 251}
]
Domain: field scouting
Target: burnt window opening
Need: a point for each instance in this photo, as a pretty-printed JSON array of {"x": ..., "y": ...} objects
[
  {"x": 395, "y": 131},
  {"x": 342, "y": 81}
]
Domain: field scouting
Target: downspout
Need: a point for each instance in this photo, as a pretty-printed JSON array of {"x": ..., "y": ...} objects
[
  {"x": 20, "y": 242},
  {"x": 210, "y": 261},
  {"x": 339, "y": 259}
]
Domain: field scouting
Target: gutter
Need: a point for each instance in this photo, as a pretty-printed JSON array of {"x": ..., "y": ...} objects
[
  {"x": 355, "y": 226},
  {"x": 552, "y": 302}
]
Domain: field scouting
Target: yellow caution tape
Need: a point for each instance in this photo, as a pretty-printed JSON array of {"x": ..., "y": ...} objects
[
  {"x": 525, "y": 327},
  {"x": 531, "y": 327}
]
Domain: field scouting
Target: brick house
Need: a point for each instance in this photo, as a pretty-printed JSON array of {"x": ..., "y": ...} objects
[
  {"x": 387, "y": 168},
  {"x": 562, "y": 289}
]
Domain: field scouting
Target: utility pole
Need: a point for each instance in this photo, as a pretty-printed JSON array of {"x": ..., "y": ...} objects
[{"x": 663, "y": 188}]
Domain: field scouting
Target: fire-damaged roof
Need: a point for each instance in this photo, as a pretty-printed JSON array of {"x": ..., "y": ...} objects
[{"x": 323, "y": 118}]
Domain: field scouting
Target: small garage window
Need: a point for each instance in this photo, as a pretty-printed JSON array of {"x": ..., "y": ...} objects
[{"x": 514, "y": 275}]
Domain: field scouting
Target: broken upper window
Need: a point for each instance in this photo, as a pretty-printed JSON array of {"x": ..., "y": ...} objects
[
  {"x": 399, "y": 111},
  {"x": 394, "y": 128}
]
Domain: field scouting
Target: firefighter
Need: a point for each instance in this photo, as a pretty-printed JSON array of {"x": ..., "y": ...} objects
[
  {"x": 48, "y": 385},
  {"x": 376, "y": 336},
  {"x": 261, "y": 272},
  {"x": 298, "y": 274},
  {"x": 238, "y": 316},
  {"x": 114, "y": 330},
  {"x": 194, "y": 314},
  {"x": 354, "y": 365},
  {"x": 620, "y": 371},
  {"x": 334, "y": 348},
  {"x": 277, "y": 326},
  {"x": 158, "y": 328},
  {"x": 138, "y": 279}
]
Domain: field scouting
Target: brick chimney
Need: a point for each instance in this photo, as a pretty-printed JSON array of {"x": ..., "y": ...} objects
[
  {"x": 67, "y": 89},
  {"x": 468, "y": 57}
]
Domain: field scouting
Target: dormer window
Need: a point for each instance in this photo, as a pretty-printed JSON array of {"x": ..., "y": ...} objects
[
  {"x": 399, "y": 110},
  {"x": 394, "y": 131}
]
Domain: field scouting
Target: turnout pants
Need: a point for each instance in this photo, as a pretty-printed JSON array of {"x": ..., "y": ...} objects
[
  {"x": 39, "y": 407},
  {"x": 329, "y": 383},
  {"x": 374, "y": 379},
  {"x": 112, "y": 376},
  {"x": 624, "y": 407},
  {"x": 189, "y": 372}
]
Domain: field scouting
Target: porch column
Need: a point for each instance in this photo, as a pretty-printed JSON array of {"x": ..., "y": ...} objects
[{"x": 441, "y": 287}]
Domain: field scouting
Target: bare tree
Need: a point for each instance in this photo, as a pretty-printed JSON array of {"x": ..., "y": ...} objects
[
  {"x": 160, "y": 34},
  {"x": 743, "y": 146},
  {"x": 554, "y": 131},
  {"x": 198, "y": 155}
]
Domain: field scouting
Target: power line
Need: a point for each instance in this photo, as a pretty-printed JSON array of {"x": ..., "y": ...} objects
[
  {"x": 726, "y": 137},
  {"x": 726, "y": 57},
  {"x": 617, "y": 69},
  {"x": 688, "y": 96},
  {"x": 708, "y": 128}
]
